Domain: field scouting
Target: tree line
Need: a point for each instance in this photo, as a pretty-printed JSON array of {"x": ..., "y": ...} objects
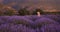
[{"x": 20, "y": 12}]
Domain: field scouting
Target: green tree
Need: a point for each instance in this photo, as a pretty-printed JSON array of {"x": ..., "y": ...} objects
[
  {"x": 23, "y": 12},
  {"x": 37, "y": 10}
]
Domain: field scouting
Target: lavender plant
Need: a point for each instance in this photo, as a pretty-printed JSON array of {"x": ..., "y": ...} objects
[
  {"x": 50, "y": 28},
  {"x": 54, "y": 17},
  {"x": 21, "y": 28},
  {"x": 19, "y": 20},
  {"x": 15, "y": 28},
  {"x": 44, "y": 21},
  {"x": 1, "y": 21},
  {"x": 4, "y": 18}
]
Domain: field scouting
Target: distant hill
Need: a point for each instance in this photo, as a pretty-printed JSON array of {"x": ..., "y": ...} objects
[{"x": 43, "y": 4}]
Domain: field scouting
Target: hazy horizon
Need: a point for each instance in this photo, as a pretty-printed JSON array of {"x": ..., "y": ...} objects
[{"x": 48, "y": 5}]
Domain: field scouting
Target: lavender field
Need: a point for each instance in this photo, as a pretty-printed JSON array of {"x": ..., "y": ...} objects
[
  {"x": 33, "y": 23},
  {"x": 29, "y": 15}
]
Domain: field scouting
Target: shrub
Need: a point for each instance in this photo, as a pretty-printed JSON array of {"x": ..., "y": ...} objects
[
  {"x": 19, "y": 20},
  {"x": 1, "y": 21},
  {"x": 44, "y": 21},
  {"x": 50, "y": 28},
  {"x": 33, "y": 17},
  {"x": 15, "y": 28},
  {"x": 5, "y": 28},
  {"x": 54, "y": 17},
  {"x": 21, "y": 28},
  {"x": 4, "y": 18},
  {"x": 23, "y": 12}
]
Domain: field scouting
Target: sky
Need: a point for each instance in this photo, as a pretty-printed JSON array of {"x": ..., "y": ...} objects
[{"x": 47, "y": 5}]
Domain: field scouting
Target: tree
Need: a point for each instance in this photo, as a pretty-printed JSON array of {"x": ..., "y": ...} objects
[
  {"x": 1, "y": 9},
  {"x": 23, "y": 12},
  {"x": 9, "y": 11},
  {"x": 37, "y": 10}
]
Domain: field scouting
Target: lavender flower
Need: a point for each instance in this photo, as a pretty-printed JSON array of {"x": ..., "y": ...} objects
[
  {"x": 4, "y": 18},
  {"x": 44, "y": 21},
  {"x": 50, "y": 28},
  {"x": 19, "y": 20}
]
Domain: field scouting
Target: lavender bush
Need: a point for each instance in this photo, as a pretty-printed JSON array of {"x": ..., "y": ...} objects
[
  {"x": 44, "y": 21},
  {"x": 33, "y": 17},
  {"x": 21, "y": 28},
  {"x": 2, "y": 22},
  {"x": 4, "y": 18},
  {"x": 15, "y": 28},
  {"x": 32, "y": 23},
  {"x": 54, "y": 17},
  {"x": 19, "y": 20},
  {"x": 50, "y": 28},
  {"x": 5, "y": 28}
]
